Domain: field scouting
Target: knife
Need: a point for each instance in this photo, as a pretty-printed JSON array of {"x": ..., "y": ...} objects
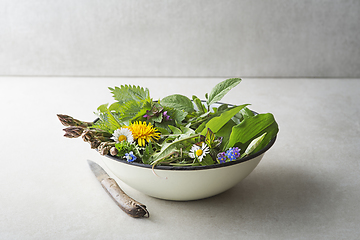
[{"x": 127, "y": 204}]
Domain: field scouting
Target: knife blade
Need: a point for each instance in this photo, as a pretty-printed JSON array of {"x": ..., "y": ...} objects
[{"x": 130, "y": 206}]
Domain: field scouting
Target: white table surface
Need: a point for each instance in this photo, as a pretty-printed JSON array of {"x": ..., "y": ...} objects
[{"x": 306, "y": 187}]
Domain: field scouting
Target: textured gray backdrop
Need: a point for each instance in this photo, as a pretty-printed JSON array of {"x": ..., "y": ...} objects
[{"x": 245, "y": 38}]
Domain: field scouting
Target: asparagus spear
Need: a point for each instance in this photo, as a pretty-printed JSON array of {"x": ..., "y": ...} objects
[
  {"x": 70, "y": 121},
  {"x": 97, "y": 138}
]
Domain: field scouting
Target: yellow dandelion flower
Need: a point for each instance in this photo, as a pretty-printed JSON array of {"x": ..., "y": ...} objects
[{"x": 143, "y": 132}]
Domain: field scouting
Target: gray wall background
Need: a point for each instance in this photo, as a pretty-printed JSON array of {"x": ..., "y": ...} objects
[{"x": 187, "y": 38}]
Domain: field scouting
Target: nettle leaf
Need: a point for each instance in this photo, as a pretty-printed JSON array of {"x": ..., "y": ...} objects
[
  {"x": 126, "y": 93},
  {"x": 133, "y": 109},
  {"x": 130, "y": 109},
  {"x": 219, "y": 91},
  {"x": 179, "y": 102}
]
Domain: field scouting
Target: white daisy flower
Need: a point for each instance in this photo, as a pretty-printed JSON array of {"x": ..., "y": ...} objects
[
  {"x": 199, "y": 152},
  {"x": 123, "y": 134}
]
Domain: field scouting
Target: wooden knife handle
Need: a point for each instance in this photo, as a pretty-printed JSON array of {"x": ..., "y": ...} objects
[{"x": 126, "y": 203}]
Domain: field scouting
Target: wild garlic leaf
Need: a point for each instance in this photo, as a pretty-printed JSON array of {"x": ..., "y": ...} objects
[
  {"x": 222, "y": 88},
  {"x": 246, "y": 113},
  {"x": 225, "y": 132},
  {"x": 253, "y": 127},
  {"x": 216, "y": 123}
]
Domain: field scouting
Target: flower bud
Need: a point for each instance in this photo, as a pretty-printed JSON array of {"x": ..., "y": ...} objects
[{"x": 113, "y": 151}]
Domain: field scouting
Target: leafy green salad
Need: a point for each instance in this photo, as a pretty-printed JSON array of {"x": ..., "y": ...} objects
[{"x": 175, "y": 130}]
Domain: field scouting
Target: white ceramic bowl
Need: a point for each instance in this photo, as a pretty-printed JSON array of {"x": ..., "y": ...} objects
[{"x": 184, "y": 183}]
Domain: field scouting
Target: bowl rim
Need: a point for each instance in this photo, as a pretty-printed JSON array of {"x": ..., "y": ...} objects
[{"x": 192, "y": 168}]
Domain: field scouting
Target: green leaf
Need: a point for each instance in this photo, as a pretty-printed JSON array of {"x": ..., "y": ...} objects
[
  {"x": 209, "y": 138},
  {"x": 222, "y": 108},
  {"x": 138, "y": 116},
  {"x": 225, "y": 132},
  {"x": 157, "y": 119},
  {"x": 126, "y": 93},
  {"x": 207, "y": 160},
  {"x": 103, "y": 108},
  {"x": 177, "y": 115},
  {"x": 186, "y": 131},
  {"x": 108, "y": 121},
  {"x": 253, "y": 127},
  {"x": 219, "y": 91},
  {"x": 115, "y": 124},
  {"x": 253, "y": 145},
  {"x": 201, "y": 127},
  {"x": 147, "y": 153},
  {"x": 169, "y": 147},
  {"x": 132, "y": 110},
  {"x": 199, "y": 104},
  {"x": 175, "y": 130},
  {"x": 216, "y": 123},
  {"x": 246, "y": 113},
  {"x": 179, "y": 102},
  {"x": 163, "y": 131},
  {"x": 116, "y": 106},
  {"x": 101, "y": 123}
]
